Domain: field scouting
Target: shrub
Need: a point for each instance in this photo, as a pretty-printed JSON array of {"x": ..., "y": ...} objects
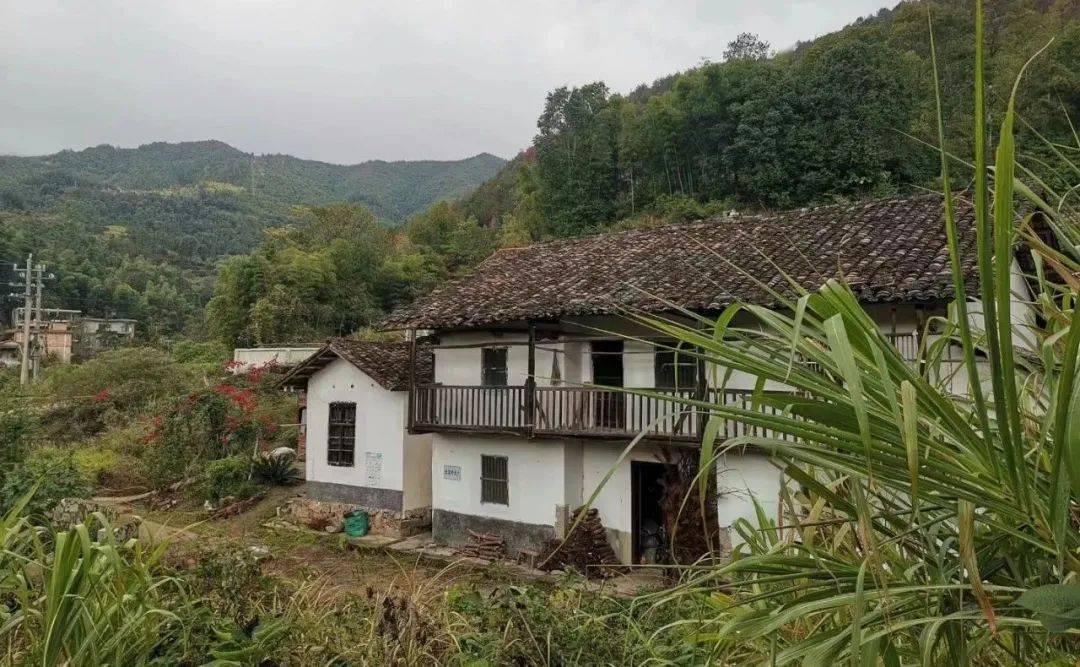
[
  {"x": 228, "y": 477},
  {"x": 230, "y": 578},
  {"x": 109, "y": 390},
  {"x": 191, "y": 352},
  {"x": 57, "y": 476},
  {"x": 277, "y": 467},
  {"x": 16, "y": 428},
  {"x": 218, "y": 422},
  {"x": 107, "y": 467}
]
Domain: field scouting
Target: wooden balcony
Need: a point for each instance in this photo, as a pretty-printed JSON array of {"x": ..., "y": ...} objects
[{"x": 572, "y": 412}]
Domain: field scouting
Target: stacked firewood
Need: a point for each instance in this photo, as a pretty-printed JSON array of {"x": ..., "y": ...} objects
[
  {"x": 483, "y": 545},
  {"x": 586, "y": 548}
]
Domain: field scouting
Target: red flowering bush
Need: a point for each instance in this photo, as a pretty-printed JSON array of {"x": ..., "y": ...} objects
[{"x": 230, "y": 418}]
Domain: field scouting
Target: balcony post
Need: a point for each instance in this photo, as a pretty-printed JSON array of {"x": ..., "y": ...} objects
[
  {"x": 530, "y": 384},
  {"x": 410, "y": 401},
  {"x": 701, "y": 393}
]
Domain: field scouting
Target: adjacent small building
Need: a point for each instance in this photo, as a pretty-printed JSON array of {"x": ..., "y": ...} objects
[
  {"x": 359, "y": 450},
  {"x": 245, "y": 358},
  {"x": 67, "y": 335}
]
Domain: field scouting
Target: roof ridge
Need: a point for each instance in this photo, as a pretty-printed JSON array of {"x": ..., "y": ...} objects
[
  {"x": 889, "y": 246},
  {"x": 711, "y": 220}
]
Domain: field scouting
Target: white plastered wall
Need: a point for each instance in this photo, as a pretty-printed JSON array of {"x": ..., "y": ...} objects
[
  {"x": 537, "y": 479},
  {"x": 462, "y": 365},
  {"x": 380, "y": 429}
]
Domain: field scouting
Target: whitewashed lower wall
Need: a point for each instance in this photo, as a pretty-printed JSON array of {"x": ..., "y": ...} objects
[
  {"x": 535, "y": 469},
  {"x": 742, "y": 477}
]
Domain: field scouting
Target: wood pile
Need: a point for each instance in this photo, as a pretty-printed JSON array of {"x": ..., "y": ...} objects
[
  {"x": 586, "y": 548},
  {"x": 233, "y": 509},
  {"x": 483, "y": 545}
]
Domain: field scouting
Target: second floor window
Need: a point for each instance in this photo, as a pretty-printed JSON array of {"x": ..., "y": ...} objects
[
  {"x": 675, "y": 368},
  {"x": 493, "y": 366},
  {"x": 341, "y": 434}
]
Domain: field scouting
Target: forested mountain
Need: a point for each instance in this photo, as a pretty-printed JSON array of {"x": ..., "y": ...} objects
[
  {"x": 392, "y": 190},
  {"x": 844, "y": 116},
  {"x": 138, "y": 232}
]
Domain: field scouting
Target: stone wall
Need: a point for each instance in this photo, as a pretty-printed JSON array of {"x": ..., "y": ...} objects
[{"x": 329, "y": 516}]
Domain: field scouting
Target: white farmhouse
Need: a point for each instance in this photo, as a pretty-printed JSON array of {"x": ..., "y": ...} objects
[
  {"x": 518, "y": 430},
  {"x": 359, "y": 451}
]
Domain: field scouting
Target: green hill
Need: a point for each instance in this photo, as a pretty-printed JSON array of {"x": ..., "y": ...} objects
[
  {"x": 139, "y": 232},
  {"x": 393, "y": 190}
]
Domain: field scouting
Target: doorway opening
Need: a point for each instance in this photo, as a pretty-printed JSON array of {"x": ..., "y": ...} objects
[
  {"x": 647, "y": 533},
  {"x": 609, "y": 407}
]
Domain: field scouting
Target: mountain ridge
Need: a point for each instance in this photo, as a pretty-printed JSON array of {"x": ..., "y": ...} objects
[{"x": 394, "y": 189}]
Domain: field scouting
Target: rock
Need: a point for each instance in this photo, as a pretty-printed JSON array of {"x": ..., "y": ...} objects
[{"x": 282, "y": 451}]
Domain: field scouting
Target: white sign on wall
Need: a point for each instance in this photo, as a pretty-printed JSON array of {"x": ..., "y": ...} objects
[
  {"x": 373, "y": 465},
  {"x": 452, "y": 473}
]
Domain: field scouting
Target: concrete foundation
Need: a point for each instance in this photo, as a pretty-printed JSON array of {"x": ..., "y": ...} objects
[
  {"x": 366, "y": 496},
  {"x": 452, "y": 528}
]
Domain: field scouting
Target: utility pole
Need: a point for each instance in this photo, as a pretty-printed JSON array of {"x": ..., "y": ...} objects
[
  {"x": 28, "y": 295},
  {"x": 33, "y": 284},
  {"x": 39, "y": 322}
]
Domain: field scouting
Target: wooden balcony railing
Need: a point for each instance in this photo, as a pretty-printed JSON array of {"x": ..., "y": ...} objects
[{"x": 575, "y": 411}]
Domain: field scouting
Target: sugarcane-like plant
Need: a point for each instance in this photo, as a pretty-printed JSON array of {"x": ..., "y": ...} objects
[
  {"x": 931, "y": 513},
  {"x": 81, "y": 596}
]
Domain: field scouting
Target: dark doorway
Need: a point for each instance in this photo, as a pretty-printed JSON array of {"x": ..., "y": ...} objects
[
  {"x": 647, "y": 515},
  {"x": 609, "y": 407}
]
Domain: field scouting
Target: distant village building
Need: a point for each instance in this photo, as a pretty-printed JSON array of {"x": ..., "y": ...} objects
[
  {"x": 66, "y": 335},
  {"x": 54, "y": 341},
  {"x": 10, "y": 353},
  {"x": 245, "y": 358},
  {"x": 359, "y": 450},
  {"x": 94, "y": 334}
]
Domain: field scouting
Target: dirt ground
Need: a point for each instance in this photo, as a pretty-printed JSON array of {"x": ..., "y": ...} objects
[{"x": 325, "y": 561}]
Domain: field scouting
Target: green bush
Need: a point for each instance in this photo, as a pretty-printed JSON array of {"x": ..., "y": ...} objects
[
  {"x": 191, "y": 352},
  {"x": 107, "y": 467},
  {"x": 107, "y": 391},
  {"x": 57, "y": 476},
  {"x": 228, "y": 477},
  {"x": 277, "y": 468},
  {"x": 16, "y": 428}
]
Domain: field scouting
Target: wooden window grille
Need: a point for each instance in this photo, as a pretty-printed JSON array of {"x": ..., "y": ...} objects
[
  {"x": 341, "y": 434},
  {"x": 675, "y": 368},
  {"x": 493, "y": 367},
  {"x": 494, "y": 480}
]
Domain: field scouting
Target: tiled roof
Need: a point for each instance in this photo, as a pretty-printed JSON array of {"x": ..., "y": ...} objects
[
  {"x": 888, "y": 250},
  {"x": 386, "y": 363}
]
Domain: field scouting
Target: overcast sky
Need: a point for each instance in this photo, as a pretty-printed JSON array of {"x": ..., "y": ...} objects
[{"x": 349, "y": 81}]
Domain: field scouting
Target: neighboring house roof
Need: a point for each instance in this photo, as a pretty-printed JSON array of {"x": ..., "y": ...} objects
[
  {"x": 888, "y": 250},
  {"x": 386, "y": 363}
]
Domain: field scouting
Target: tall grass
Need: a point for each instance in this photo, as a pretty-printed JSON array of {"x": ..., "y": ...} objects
[
  {"x": 922, "y": 524},
  {"x": 74, "y": 598}
]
